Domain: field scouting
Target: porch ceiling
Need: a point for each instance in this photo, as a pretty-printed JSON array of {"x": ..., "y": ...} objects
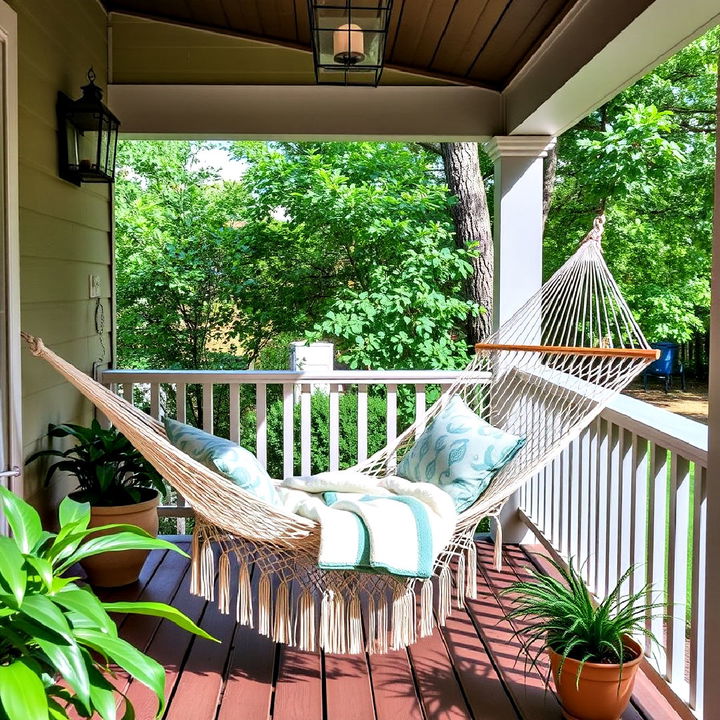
[{"x": 468, "y": 41}]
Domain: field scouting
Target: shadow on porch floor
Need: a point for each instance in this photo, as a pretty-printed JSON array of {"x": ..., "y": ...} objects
[{"x": 468, "y": 670}]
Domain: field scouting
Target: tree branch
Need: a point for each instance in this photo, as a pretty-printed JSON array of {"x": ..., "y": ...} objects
[{"x": 430, "y": 147}]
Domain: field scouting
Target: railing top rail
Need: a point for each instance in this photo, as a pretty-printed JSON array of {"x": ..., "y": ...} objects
[
  {"x": 679, "y": 434},
  {"x": 288, "y": 376}
]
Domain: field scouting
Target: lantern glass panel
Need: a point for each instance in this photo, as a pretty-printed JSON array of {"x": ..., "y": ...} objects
[
  {"x": 73, "y": 150},
  {"x": 349, "y": 39},
  {"x": 88, "y": 147},
  {"x": 111, "y": 148}
]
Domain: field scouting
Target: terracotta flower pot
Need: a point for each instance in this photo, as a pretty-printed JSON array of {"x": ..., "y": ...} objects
[
  {"x": 113, "y": 569},
  {"x": 603, "y": 692}
]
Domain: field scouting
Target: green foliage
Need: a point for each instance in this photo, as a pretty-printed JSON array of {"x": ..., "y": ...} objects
[
  {"x": 352, "y": 242},
  {"x": 180, "y": 264},
  {"x": 52, "y": 629},
  {"x": 561, "y": 614},
  {"x": 109, "y": 470},
  {"x": 403, "y": 320},
  {"x": 647, "y": 159}
]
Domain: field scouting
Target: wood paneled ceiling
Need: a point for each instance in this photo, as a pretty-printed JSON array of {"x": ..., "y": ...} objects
[{"x": 477, "y": 42}]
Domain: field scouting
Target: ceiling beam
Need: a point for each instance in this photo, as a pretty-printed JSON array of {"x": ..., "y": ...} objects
[
  {"x": 281, "y": 112},
  {"x": 600, "y": 48}
]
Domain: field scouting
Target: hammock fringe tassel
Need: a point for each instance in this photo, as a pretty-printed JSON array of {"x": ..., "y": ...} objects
[{"x": 347, "y": 617}]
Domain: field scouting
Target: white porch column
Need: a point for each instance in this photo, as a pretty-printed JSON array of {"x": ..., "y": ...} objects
[
  {"x": 708, "y": 700},
  {"x": 518, "y": 222},
  {"x": 517, "y": 237}
]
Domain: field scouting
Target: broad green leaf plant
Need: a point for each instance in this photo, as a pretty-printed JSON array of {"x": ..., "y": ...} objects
[
  {"x": 109, "y": 470},
  {"x": 57, "y": 642},
  {"x": 560, "y": 613}
]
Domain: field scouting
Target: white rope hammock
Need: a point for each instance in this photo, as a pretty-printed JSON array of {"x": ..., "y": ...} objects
[{"x": 544, "y": 375}]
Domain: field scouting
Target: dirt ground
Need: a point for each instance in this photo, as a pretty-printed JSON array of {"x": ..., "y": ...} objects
[{"x": 691, "y": 404}]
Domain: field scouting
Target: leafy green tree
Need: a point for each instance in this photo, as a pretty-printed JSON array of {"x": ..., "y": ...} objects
[
  {"x": 180, "y": 266},
  {"x": 646, "y": 159},
  {"x": 353, "y": 242}
]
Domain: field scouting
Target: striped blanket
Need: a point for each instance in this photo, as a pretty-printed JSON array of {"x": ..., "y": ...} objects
[{"x": 374, "y": 524}]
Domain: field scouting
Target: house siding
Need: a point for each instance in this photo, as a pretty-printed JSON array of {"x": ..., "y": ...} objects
[{"x": 65, "y": 231}]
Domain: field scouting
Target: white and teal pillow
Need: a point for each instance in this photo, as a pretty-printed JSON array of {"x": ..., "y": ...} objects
[
  {"x": 223, "y": 456},
  {"x": 459, "y": 452}
]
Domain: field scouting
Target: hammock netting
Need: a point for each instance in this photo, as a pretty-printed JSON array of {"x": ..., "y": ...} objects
[{"x": 544, "y": 375}]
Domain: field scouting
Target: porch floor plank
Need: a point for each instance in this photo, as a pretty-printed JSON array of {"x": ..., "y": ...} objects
[
  {"x": 298, "y": 693},
  {"x": 200, "y": 685},
  {"x": 469, "y": 670}
]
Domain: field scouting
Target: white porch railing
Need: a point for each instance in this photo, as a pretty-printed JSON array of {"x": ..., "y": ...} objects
[
  {"x": 630, "y": 490},
  {"x": 153, "y": 388}
]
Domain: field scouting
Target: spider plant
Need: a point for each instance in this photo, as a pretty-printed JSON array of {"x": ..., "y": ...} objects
[
  {"x": 109, "y": 470},
  {"x": 58, "y": 642},
  {"x": 561, "y": 614}
]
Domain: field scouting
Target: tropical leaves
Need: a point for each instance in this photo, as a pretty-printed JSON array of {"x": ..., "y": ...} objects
[
  {"x": 50, "y": 626},
  {"x": 109, "y": 470}
]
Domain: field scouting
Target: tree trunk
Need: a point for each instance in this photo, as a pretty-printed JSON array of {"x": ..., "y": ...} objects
[
  {"x": 549, "y": 171},
  {"x": 472, "y": 227}
]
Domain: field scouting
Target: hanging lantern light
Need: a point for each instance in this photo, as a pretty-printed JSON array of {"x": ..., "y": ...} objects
[
  {"x": 348, "y": 40},
  {"x": 88, "y": 136}
]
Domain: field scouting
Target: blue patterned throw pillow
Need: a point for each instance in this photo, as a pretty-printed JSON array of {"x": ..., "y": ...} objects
[
  {"x": 223, "y": 456},
  {"x": 459, "y": 452}
]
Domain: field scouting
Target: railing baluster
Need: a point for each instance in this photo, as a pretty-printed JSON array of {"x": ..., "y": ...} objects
[
  {"x": 556, "y": 501},
  {"x": 362, "y": 422},
  {"x": 305, "y": 427},
  {"x": 235, "y": 413},
  {"x": 583, "y": 502},
  {"x": 261, "y": 423},
  {"x": 562, "y": 503},
  {"x": 548, "y": 501},
  {"x": 625, "y": 481},
  {"x": 601, "y": 508},
  {"x": 181, "y": 402},
  {"x": 391, "y": 417},
  {"x": 208, "y": 423},
  {"x": 575, "y": 485},
  {"x": 288, "y": 434},
  {"x": 334, "y": 428},
  {"x": 128, "y": 392},
  {"x": 639, "y": 513},
  {"x": 657, "y": 543},
  {"x": 420, "y": 409},
  {"x": 697, "y": 605},
  {"x": 613, "y": 507},
  {"x": 678, "y": 519},
  {"x": 155, "y": 400}
]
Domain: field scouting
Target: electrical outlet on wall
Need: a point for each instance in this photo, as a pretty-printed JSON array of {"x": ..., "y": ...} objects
[{"x": 93, "y": 286}]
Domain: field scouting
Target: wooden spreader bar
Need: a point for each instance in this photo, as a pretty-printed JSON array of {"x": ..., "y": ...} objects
[{"x": 632, "y": 353}]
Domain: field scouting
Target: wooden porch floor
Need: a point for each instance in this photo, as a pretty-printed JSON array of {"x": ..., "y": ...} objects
[{"x": 467, "y": 670}]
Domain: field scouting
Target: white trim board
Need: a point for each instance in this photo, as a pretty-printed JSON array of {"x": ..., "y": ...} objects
[
  {"x": 664, "y": 28},
  {"x": 281, "y": 112},
  {"x": 9, "y": 218}
]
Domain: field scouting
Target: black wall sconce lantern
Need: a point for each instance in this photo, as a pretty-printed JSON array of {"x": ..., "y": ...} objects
[
  {"x": 88, "y": 134},
  {"x": 348, "y": 40}
]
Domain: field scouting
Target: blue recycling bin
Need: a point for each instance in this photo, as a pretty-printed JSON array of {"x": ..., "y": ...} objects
[{"x": 667, "y": 365}]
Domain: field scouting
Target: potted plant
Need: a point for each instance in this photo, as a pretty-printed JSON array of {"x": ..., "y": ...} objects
[
  {"x": 593, "y": 656},
  {"x": 57, "y": 639},
  {"x": 120, "y": 486}
]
